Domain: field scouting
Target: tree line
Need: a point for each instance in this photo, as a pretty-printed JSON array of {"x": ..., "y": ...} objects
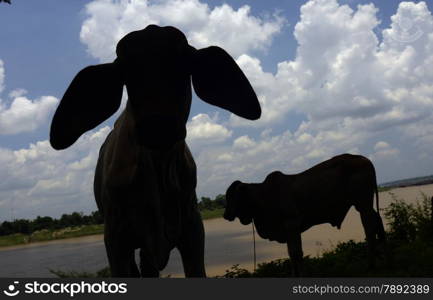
[
  {"x": 25, "y": 226},
  {"x": 211, "y": 204}
]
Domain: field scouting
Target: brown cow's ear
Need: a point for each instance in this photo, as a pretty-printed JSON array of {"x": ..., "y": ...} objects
[
  {"x": 91, "y": 98},
  {"x": 219, "y": 81}
]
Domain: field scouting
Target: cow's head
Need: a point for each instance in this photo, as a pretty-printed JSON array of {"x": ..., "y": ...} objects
[
  {"x": 156, "y": 65},
  {"x": 239, "y": 203}
]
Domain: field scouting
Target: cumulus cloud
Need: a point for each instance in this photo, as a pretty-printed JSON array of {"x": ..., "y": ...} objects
[
  {"x": 237, "y": 31},
  {"x": 38, "y": 180},
  {"x": 244, "y": 142},
  {"x": 23, "y": 114},
  {"x": 383, "y": 150},
  {"x": 342, "y": 70},
  {"x": 202, "y": 128}
]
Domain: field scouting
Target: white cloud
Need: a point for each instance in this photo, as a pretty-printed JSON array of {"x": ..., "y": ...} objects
[
  {"x": 381, "y": 145},
  {"x": 202, "y": 128},
  {"x": 341, "y": 70},
  {"x": 41, "y": 181},
  {"x": 384, "y": 151},
  {"x": 23, "y": 114},
  {"x": 237, "y": 31},
  {"x": 17, "y": 93},
  {"x": 244, "y": 142},
  {"x": 409, "y": 24}
]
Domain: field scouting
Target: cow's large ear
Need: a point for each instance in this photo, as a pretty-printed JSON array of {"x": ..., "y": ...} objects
[
  {"x": 91, "y": 98},
  {"x": 219, "y": 81}
]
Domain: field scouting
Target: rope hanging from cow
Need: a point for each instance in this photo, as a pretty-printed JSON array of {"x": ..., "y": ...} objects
[{"x": 254, "y": 245}]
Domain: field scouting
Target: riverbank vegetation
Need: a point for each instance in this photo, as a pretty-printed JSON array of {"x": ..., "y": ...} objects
[{"x": 22, "y": 231}]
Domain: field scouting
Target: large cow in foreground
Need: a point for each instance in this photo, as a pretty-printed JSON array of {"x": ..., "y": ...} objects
[
  {"x": 284, "y": 206},
  {"x": 145, "y": 177}
]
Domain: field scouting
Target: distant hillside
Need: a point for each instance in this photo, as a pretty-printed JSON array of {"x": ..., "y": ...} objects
[{"x": 409, "y": 182}]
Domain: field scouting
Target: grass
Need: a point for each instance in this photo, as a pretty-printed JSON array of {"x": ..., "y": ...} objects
[
  {"x": 73, "y": 232},
  {"x": 13, "y": 239},
  {"x": 212, "y": 214},
  {"x": 48, "y": 235},
  {"x": 384, "y": 188}
]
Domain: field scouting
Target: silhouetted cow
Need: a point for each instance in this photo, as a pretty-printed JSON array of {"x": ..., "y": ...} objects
[
  {"x": 284, "y": 206},
  {"x": 145, "y": 178}
]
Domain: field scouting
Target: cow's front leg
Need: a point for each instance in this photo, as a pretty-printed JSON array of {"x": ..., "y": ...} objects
[
  {"x": 191, "y": 246},
  {"x": 294, "y": 247},
  {"x": 146, "y": 268},
  {"x": 121, "y": 259}
]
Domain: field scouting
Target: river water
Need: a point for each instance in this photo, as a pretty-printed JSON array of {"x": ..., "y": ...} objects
[{"x": 227, "y": 243}]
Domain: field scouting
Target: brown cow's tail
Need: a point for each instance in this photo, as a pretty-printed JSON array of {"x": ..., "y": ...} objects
[
  {"x": 380, "y": 229},
  {"x": 376, "y": 189}
]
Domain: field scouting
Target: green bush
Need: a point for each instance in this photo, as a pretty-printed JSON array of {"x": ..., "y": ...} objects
[{"x": 409, "y": 222}]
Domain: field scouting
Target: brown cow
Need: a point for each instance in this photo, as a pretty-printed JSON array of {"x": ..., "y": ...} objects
[
  {"x": 145, "y": 178},
  {"x": 284, "y": 206}
]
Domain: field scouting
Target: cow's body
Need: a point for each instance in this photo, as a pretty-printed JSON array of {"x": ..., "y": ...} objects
[{"x": 155, "y": 189}]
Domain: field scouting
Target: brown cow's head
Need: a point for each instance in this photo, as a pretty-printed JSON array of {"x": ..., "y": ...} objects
[
  {"x": 156, "y": 64},
  {"x": 239, "y": 202}
]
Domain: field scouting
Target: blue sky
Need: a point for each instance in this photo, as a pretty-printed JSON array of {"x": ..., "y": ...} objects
[{"x": 332, "y": 77}]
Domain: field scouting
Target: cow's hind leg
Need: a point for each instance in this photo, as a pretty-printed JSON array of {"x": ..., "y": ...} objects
[
  {"x": 191, "y": 246},
  {"x": 381, "y": 235},
  {"x": 380, "y": 229},
  {"x": 370, "y": 224}
]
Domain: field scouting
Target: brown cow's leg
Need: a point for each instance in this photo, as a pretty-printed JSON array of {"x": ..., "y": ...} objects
[
  {"x": 121, "y": 260},
  {"x": 380, "y": 229},
  {"x": 370, "y": 224},
  {"x": 147, "y": 269},
  {"x": 381, "y": 235},
  {"x": 294, "y": 247},
  {"x": 191, "y": 247}
]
